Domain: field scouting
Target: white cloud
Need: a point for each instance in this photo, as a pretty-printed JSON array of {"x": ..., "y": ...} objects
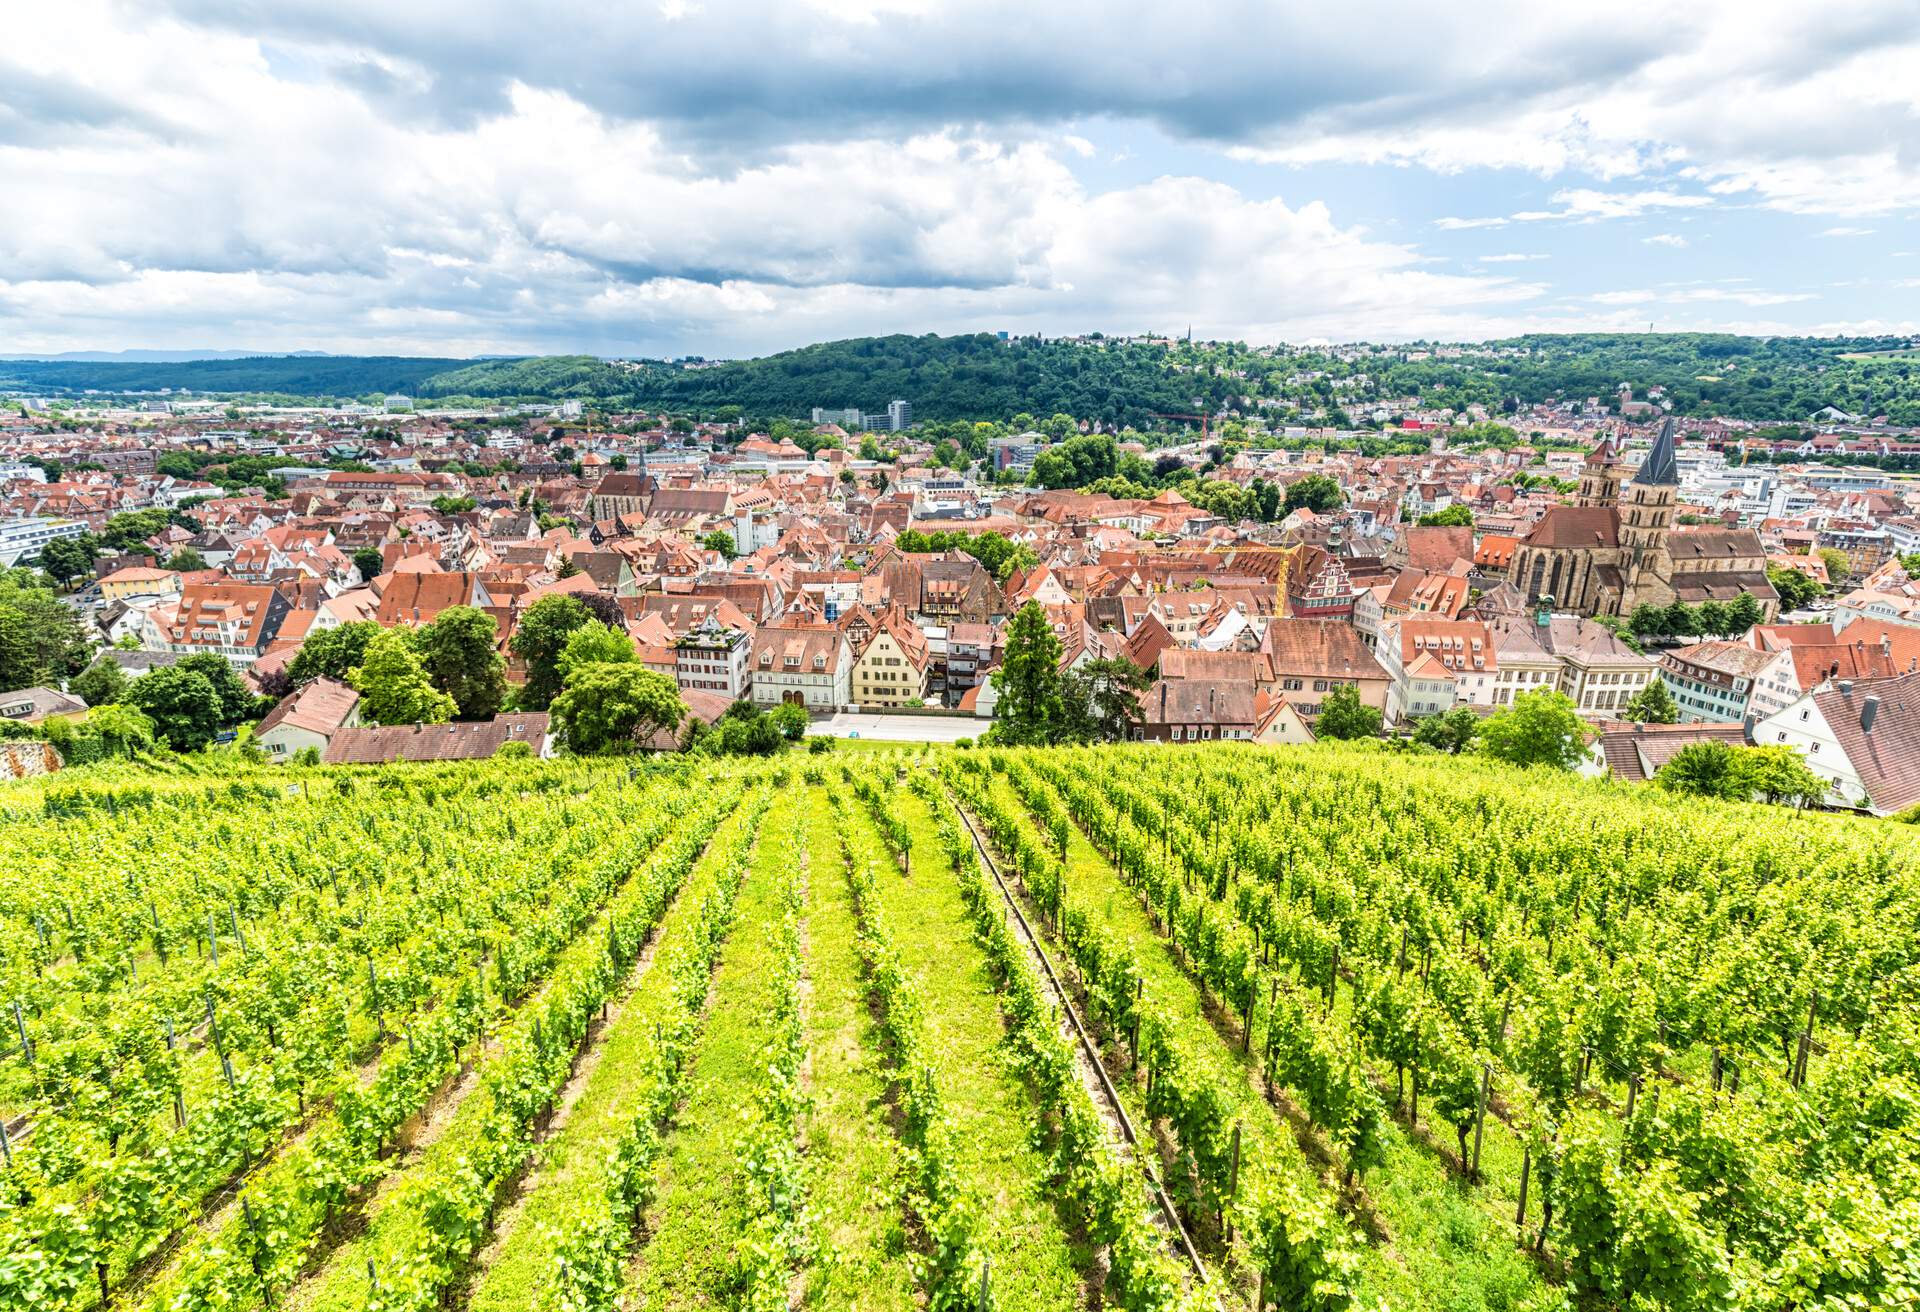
[
  {"x": 1510, "y": 258},
  {"x": 1672, "y": 239},
  {"x": 1847, "y": 232}
]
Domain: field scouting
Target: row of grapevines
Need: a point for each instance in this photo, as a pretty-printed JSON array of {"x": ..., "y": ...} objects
[
  {"x": 292, "y": 1205},
  {"x": 935, "y": 1195},
  {"x": 1101, "y": 1184},
  {"x": 592, "y": 1246},
  {"x": 771, "y": 1166},
  {"x": 423, "y": 1240}
]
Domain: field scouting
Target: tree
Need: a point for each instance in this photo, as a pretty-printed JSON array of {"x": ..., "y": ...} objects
[
  {"x": 1653, "y": 704},
  {"x": 1030, "y": 709},
  {"x": 1796, "y": 589},
  {"x": 331, "y": 653},
  {"x": 790, "y": 720},
  {"x": 1779, "y": 774},
  {"x": 1452, "y": 731},
  {"x": 1682, "y": 620},
  {"x": 594, "y": 643},
  {"x": 1839, "y": 565},
  {"x": 393, "y": 685},
  {"x": 1317, "y": 492},
  {"x": 721, "y": 541},
  {"x": 1713, "y": 618},
  {"x": 1649, "y": 621},
  {"x": 42, "y": 642},
  {"x": 613, "y": 709},
  {"x": 539, "y": 641},
  {"x": 1539, "y": 728},
  {"x": 448, "y": 504},
  {"x": 185, "y": 561},
  {"x": 1454, "y": 516},
  {"x": 1745, "y": 611},
  {"x": 460, "y": 652},
  {"x": 1102, "y": 699},
  {"x": 1343, "y": 715},
  {"x": 237, "y": 700},
  {"x": 66, "y": 559},
  {"x": 181, "y": 703},
  {"x": 101, "y": 684},
  {"x": 132, "y": 528},
  {"x": 369, "y": 562}
]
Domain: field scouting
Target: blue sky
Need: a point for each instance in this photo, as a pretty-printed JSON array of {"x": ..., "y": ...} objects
[{"x": 706, "y": 178}]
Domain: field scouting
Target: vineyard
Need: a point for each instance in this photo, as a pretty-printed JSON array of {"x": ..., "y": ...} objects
[{"x": 1141, "y": 1028}]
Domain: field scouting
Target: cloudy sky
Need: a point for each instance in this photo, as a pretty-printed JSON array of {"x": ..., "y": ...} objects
[{"x": 469, "y": 176}]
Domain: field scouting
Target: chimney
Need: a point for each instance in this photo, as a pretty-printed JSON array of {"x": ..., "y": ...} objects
[
  {"x": 1868, "y": 711},
  {"x": 1846, "y": 686}
]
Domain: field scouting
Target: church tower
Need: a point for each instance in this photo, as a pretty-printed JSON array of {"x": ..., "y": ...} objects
[
  {"x": 1600, "y": 478},
  {"x": 1647, "y": 504}
]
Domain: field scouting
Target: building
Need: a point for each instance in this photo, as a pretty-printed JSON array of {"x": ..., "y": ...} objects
[
  {"x": 32, "y": 705},
  {"x": 899, "y": 415},
  {"x": 21, "y": 539},
  {"x": 308, "y": 717},
  {"x": 1308, "y": 659},
  {"x": 1435, "y": 665},
  {"x": 809, "y": 666},
  {"x": 137, "y": 582},
  {"x": 1198, "y": 710},
  {"x": 1862, "y": 738},
  {"x": 1717, "y": 680},
  {"x": 236, "y": 620},
  {"x": 893, "y": 670},
  {"x": 716, "y": 659},
  {"x": 1635, "y": 752},
  {"x": 1617, "y": 547},
  {"x": 466, "y": 740}
]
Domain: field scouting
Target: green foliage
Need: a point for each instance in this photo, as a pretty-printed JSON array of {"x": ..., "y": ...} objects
[
  {"x": 331, "y": 653},
  {"x": 182, "y": 705},
  {"x": 790, "y": 720},
  {"x": 129, "y": 530},
  {"x": 185, "y": 561},
  {"x": 100, "y": 684},
  {"x": 594, "y": 643},
  {"x": 1774, "y": 773},
  {"x": 459, "y": 650},
  {"x": 1454, "y": 516},
  {"x": 393, "y": 684},
  {"x": 614, "y": 709},
  {"x": 1031, "y": 708},
  {"x": 1796, "y": 590},
  {"x": 539, "y": 641},
  {"x": 1653, "y": 704},
  {"x": 66, "y": 559},
  {"x": 42, "y": 641},
  {"x": 1317, "y": 492},
  {"x": 1541, "y": 727},
  {"x": 368, "y": 561},
  {"x": 1452, "y": 731},
  {"x": 997, "y": 555},
  {"x": 1344, "y": 715},
  {"x": 721, "y": 541},
  {"x": 449, "y": 504},
  {"x": 1076, "y": 462}
]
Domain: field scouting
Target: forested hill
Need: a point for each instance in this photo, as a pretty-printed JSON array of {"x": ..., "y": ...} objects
[
  {"x": 986, "y": 377},
  {"x": 291, "y": 375}
]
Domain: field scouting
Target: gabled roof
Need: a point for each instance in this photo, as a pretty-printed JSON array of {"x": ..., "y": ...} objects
[
  {"x": 1884, "y": 750},
  {"x": 321, "y": 707},
  {"x": 1576, "y": 526}
]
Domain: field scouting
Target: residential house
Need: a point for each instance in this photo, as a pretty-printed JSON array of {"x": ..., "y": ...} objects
[
  {"x": 236, "y": 620},
  {"x": 466, "y": 740},
  {"x": 1436, "y": 664},
  {"x": 808, "y": 666},
  {"x": 893, "y": 670},
  {"x": 1310, "y": 658},
  {"x": 308, "y": 717},
  {"x": 1716, "y": 680},
  {"x": 715, "y": 659},
  {"x": 1862, "y": 738}
]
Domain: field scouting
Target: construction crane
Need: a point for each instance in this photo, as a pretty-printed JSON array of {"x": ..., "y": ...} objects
[{"x": 1206, "y": 430}]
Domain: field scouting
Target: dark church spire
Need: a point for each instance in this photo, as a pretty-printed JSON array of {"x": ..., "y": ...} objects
[{"x": 1658, "y": 470}]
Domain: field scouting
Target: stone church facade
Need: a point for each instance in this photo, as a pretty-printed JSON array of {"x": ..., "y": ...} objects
[{"x": 1617, "y": 547}]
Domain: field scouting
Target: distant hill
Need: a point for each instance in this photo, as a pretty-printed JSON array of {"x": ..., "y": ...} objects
[
  {"x": 292, "y": 375},
  {"x": 986, "y": 377}
]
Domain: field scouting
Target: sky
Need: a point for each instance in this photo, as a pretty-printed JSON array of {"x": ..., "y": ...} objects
[{"x": 467, "y": 177}]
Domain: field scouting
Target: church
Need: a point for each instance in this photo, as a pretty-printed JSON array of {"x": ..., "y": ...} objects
[{"x": 1617, "y": 547}]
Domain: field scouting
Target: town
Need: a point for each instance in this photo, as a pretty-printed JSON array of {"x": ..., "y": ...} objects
[{"x": 1240, "y": 575}]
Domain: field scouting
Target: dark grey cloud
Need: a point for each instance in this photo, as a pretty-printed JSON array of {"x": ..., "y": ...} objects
[{"x": 736, "y": 75}]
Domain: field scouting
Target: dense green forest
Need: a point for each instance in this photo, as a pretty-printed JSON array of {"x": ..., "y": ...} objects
[{"x": 1117, "y": 382}]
